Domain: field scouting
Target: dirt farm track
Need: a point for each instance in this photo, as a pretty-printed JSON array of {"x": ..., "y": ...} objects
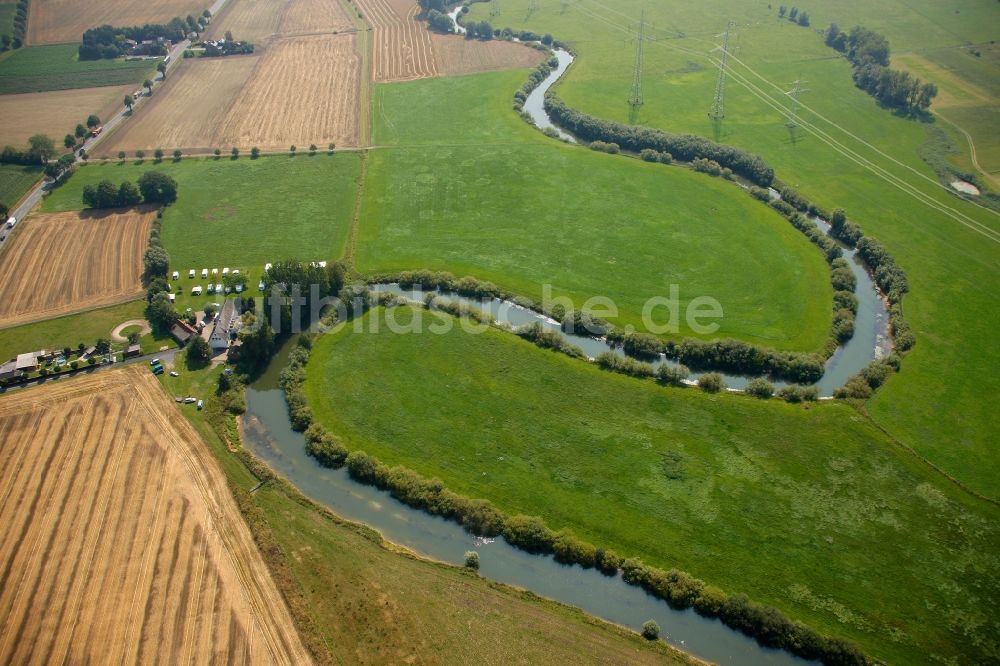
[
  {"x": 67, "y": 262},
  {"x": 122, "y": 542}
]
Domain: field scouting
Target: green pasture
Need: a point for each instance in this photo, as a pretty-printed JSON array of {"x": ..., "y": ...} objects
[
  {"x": 808, "y": 508},
  {"x": 936, "y": 404},
  {"x": 15, "y": 181},
  {"x": 56, "y": 67},
  {"x": 480, "y": 192}
]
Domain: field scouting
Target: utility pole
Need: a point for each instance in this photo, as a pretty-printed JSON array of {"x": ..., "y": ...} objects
[
  {"x": 718, "y": 111},
  {"x": 635, "y": 99},
  {"x": 494, "y": 8},
  {"x": 532, "y": 7}
]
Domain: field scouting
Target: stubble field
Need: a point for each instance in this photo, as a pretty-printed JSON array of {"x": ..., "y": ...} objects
[
  {"x": 69, "y": 262},
  {"x": 126, "y": 545},
  {"x": 301, "y": 91},
  {"x": 55, "y": 113},
  {"x": 259, "y": 20},
  {"x": 403, "y": 47},
  {"x": 58, "y": 21}
]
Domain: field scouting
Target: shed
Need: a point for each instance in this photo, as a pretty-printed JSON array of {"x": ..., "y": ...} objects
[{"x": 133, "y": 350}]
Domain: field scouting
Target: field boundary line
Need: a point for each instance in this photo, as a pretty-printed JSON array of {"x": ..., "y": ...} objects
[
  {"x": 972, "y": 148},
  {"x": 352, "y": 233},
  {"x": 861, "y": 409}
]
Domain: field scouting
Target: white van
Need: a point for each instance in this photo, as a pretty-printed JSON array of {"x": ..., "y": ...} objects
[
  {"x": 196, "y": 290},
  {"x": 204, "y": 272},
  {"x": 176, "y": 275},
  {"x": 11, "y": 221},
  {"x": 191, "y": 273},
  {"x": 225, "y": 271}
]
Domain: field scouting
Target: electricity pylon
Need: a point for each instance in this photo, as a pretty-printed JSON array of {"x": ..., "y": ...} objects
[
  {"x": 635, "y": 98},
  {"x": 718, "y": 111},
  {"x": 794, "y": 93}
]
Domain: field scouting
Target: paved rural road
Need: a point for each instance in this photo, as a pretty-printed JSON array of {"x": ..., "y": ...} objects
[
  {"x": 176, "y": 54},
  {"x": 166, "y": 356}
]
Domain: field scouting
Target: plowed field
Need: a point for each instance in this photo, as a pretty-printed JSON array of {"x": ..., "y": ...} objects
[
  {"x": 122, "y": 541},
  {"x": 69, "y": 262}
]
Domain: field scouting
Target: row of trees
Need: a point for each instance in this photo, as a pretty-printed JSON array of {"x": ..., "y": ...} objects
[
  {"x": 633, "y": 138},
  {"x": 154, "y": 187},
  {"x": 530, "y": 533},
  {"x": 39, "y": 151},
  {"x": 869, "y": 52},
  {"x": 794, "y": 15},
  {"x": 20, "y": 26}
]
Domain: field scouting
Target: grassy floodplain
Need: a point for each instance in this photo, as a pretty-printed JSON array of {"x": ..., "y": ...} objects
[
  {"x": 807, "y": 508},
  {"x": 15, "y": 181},
  {"x": 242, "y": 212},
  {"x": 936, "y": 404},
  {"x": 56, "y": 67},
  {"x": 480, "y": 192},
  {"x": 355, "y": 598}
]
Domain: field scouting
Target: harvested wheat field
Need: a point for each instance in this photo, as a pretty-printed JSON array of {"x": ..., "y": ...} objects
[
  {"x": 455, "y": 55},
  {"x": 59, "y": 21},
  {"x": 304, "y": 90},
  {"x": 122, "y": 541},
  {"x": 187, "y": 111},
  {"x": 403, "y": 49},
  {"x": 68, "y": 262},
  {"x": 259, "y": 21},
  {"x": 55, "y": 113}
]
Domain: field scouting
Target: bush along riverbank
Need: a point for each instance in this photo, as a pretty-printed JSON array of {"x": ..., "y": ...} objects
[
  {"x": 654, "y": 145},
  {"x": 766, "y": 624}
]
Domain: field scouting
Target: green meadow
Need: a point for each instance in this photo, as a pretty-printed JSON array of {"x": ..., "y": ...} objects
[
  {"x": 15, "y": 181},
  {"x": 808, "y": 508},
  {"x": 936, "y": 404},
  {"x": 56, "y": 67},
  {"x": 242, "y": 212},
  {"x": 479, "y": 192}
]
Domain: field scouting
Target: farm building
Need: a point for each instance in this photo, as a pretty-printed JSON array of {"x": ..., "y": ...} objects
[
  {"x": 225, "y": 326},
  {"x": 133, "y": 350},
  {"x": 182, "y": 332},
  {"x": 30, "y": 361},
  {"x": 9, "y": 371}
]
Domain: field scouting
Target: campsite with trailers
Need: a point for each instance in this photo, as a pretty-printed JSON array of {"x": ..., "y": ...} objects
[{"x": 359, "y": 143}]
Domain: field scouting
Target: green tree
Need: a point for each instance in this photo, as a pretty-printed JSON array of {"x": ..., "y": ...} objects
[
  {"x": 161, "y": 67},
  {"x": 128, "y": 194},
  {"x": 148, "y": 85},
  {"x": 198, "y": 350},
  {"x": 711, "y": 382},
  {"x": 133, "y": 337},
  {"x": 128, "y": 102},
  {"x": 93, "y": 121},
  {"x": 331, "y": 146},
  {"x": 177, "y": 154},
  {"x": 158, "y": 154},
  {"x": 139, "y": 154},
  {"x": 121, "y": 155},
  {"x": 759, "y": 388},
  {"x": 257, "y": 338},
  {"x": 41, "y": 148},
  {"x": 216, "y": 152},
  {"x": 254, "y": 152},
  {"x": 158, "y": 187},
  {"x": 69, "y": 141},
  {"x": 102, "y": 346},
  {"x": 650, "y": 630},
  {"x": 472, "y": 560},
  {"x": 160, "y": 312},
  {"x": 292, "y": 149},
  {"x": 235, "y": 152},
  {"x": 312, "y": 149},
  {"x": 80, "y": 130},
  {"x": 155, "y": 261}
]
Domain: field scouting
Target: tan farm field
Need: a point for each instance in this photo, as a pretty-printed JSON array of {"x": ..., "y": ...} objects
[
  {"x": 456, "y": 55},
  {"x": 302, "y": 90},
  {"x": 69, "y": 262},
  {"x": 55, "y": 113},
  {"x": 60, "y": 21},
  {"x": 123, "y": 543},
  {"x": 258, "y": 21},
  {"x": 402, "y": 49}
]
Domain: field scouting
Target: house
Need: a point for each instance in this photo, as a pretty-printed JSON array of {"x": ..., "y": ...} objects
[
  {"x": 182, "y": 332},
  {"x": 226, "y": 324},
  {"x": 9, "y": 371},
  {"x": 234, "y": 352},
  {"x": 133, "y": 350},
  {"x": 30, "y": 361}
]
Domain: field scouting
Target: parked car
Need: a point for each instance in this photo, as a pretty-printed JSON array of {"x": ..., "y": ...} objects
[
  {"x": 155, "y": 361},
  {"x": 174, "y": 373},
  {"x": 200, "y": 404},
  {"x": 189, "y": 400}
]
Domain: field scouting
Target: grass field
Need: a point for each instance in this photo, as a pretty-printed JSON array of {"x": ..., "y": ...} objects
[
  {"x": 43, "y": 68},
  {"x": 71, "y": 330},
  {"x": 357, "y": 599},
  {"x": 8, "y": 10},
  {"x": 242, "y": 212},
  {"x": 936, "y": 404},
  {"x": 120, "y": 511},
  {"x": 479, "y": 192},
  {"x": 807, "y": 508},
  {"x": 15, "y": 181}
]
